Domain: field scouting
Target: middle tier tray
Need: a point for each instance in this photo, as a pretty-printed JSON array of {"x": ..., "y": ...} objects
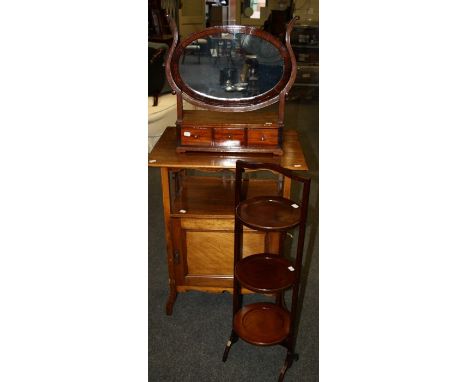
[{"x": 265, "y": 273}]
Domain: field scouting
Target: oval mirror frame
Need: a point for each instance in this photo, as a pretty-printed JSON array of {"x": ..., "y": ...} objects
[{"x": 230, "y": 104}]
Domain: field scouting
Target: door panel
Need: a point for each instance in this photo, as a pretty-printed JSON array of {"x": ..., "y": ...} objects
[
  {"x": 212, "y": 253},
  {"x": 205, "y": 250}
]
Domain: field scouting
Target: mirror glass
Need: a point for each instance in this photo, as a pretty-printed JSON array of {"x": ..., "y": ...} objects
[{"x": 231, "y": 65}]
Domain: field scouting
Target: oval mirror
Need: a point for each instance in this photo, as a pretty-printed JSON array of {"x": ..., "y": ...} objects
[{"x": 231, "y": 66}]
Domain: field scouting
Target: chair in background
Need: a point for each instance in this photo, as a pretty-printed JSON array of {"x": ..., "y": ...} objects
[
  {"x": 196, "y": 48},
  {"x": 156, "y": 75}
]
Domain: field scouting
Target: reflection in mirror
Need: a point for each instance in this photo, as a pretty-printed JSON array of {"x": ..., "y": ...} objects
[{"x": 227, "y": 65}]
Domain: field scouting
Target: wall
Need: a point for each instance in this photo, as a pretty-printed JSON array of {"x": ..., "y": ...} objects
[
  {"x": 191, "y": 17},
  {"x": 307, "y": 10}
]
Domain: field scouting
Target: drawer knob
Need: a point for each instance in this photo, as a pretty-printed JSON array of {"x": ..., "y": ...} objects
[
  {"x": 262, "y": 138},
  {"x": 229, "y": 136},
  {"x": 195, "y": 136}
]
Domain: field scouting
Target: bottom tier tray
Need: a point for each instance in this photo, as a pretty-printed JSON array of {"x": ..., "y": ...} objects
[
  {"x": 262, "y": 323},
  {"x": 265, "y": 273}
]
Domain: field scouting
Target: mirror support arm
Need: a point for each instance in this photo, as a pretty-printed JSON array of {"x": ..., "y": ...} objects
[
  {"x": 176, "y": 89},
  {"x": 284, "y": 92},
  {"x": 175, "y": 40}
]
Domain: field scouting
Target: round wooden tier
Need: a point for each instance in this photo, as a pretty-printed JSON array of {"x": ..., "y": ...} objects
[
  {"x": 262, "y": 323},
  {"x": 265, "y": 273},
  {"x": 269, "y": 213}
]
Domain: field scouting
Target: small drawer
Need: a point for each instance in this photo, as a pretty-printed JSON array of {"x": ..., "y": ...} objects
[
  {"x": 192, "y": 136},
  {"x": 306, "y": 56},
  {"x": 307, "y": 74},
  {"x": 262, "y": 137},
  {"x": 306, "y": 36},
  {"x": 229, "y": 137}
]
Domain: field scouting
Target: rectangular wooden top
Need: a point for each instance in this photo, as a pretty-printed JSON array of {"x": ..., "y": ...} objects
[{"x": 164, "y": 155}]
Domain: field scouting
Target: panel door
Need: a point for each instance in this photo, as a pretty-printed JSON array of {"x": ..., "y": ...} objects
[{"x": 206, "y": 250}]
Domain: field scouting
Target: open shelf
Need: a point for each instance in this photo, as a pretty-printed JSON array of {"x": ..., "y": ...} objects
[
  {"x": 214, "y": 196},
  {"x": 262, "y": 323},
  {"x": 265, "y": 273},
  {"x": 269, "y": 213}
]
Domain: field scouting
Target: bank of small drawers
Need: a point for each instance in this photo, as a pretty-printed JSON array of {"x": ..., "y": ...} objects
[{"x": 228, "y": 137}]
